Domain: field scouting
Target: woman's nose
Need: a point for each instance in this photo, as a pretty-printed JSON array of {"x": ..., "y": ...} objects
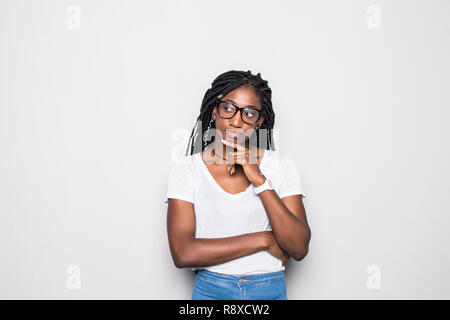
[{"x": 236, "y": 120}]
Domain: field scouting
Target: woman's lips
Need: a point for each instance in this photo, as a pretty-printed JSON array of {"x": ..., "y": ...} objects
[{"x": 233, "y": 134}]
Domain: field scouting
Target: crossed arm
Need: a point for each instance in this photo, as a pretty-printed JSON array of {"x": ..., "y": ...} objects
[
  {"x": 290, "y": 233},
  {"x": 287, "y": 217}
]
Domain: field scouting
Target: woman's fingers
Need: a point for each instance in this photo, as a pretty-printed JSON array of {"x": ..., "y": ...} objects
[
  {"x": 233, "y": 145},
  {"x": 242, "y": 154},
  {"x": 238, "y": 157},
  {"x": 285, "y": 257},
  {"x": 231, "y": 169}
]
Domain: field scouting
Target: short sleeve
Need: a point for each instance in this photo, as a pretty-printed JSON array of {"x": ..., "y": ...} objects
[
  {"x": 180, "y": 183},
  {"x": 291, "y": 183}
]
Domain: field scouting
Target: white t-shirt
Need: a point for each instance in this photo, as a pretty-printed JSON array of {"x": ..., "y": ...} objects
[{"x": 220, "y": 214}]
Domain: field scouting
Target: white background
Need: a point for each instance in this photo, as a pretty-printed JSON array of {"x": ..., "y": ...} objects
[{"x": 87, "y": 115}]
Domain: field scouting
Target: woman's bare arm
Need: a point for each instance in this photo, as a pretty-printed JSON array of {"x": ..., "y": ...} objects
[
  {"x": 287, "y": 217},
  {"x": 188, "y": 251}
]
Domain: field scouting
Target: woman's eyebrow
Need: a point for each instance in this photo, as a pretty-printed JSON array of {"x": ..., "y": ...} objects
[{"x": 245, "y": 106}]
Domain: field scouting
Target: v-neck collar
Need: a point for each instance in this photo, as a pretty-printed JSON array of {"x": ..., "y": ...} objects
[{"x": 217, "y": 186}]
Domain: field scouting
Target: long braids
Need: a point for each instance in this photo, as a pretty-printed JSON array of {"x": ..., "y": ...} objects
[{"x": 222, "y": 85}]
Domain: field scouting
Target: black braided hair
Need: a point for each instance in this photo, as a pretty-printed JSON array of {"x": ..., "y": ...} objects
[{"x": 222, "y": 85}]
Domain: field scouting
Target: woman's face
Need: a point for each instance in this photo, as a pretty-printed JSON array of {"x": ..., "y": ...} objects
[{"x": 241, "y": 97}]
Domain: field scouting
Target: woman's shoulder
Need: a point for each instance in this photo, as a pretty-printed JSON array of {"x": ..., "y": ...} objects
[
  {"x": 277, "y": 160},
  {"x": 273, "y": 157},
  {"x": 187, "y": 162}
]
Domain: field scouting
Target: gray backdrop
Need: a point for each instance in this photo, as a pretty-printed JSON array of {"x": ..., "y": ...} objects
[{"x": 97, "y": 99}]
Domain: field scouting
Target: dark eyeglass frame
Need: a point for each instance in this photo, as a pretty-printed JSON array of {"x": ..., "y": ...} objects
[{"x": 237, "y": 110}]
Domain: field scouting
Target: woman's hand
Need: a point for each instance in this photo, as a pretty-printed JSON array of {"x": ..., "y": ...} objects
[
  {"x": 274, "y": 249},
  {"x": 246, "y": 158}
]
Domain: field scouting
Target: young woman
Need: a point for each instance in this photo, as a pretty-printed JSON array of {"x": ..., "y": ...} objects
[{"x": 235, "y": 212}]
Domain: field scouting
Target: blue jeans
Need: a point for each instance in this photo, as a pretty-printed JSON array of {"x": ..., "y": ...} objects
[{"x": 217, "y": 286}]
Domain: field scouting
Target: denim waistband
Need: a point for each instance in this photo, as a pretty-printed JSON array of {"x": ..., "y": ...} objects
[{"x": 259, "y": 276}]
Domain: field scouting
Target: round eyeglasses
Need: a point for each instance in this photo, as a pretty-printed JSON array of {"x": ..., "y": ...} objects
[{"x": 227, "y": 110}]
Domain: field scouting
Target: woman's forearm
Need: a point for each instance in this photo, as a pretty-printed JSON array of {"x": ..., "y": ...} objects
[
  {"x": 203, "y": 252},
  {"x": 291, "y": 232}
]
